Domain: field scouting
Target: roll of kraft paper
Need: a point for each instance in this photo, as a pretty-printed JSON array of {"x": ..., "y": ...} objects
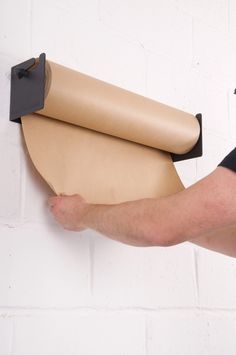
[
  {"x": 103, "y": 142},
  {"x": 81, "y": 100}
]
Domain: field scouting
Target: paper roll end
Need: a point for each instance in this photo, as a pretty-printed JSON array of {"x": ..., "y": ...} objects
[{"x": 196, "y": 150}]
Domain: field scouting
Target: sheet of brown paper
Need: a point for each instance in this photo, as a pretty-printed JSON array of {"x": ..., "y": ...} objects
[
  {"x": 105, "y": 143},
  {"x": 102, "y": 168}
]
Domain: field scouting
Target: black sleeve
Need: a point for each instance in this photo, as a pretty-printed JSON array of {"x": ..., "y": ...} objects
[{"x": 229, "y": 161}]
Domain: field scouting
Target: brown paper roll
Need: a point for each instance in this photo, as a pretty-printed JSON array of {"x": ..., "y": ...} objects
[
  {"x": 84, "y": 101},
  {"x": 106, "y": 143}
]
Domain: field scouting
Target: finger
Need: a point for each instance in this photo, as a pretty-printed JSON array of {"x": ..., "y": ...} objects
[{"x": 52, "y": 200}]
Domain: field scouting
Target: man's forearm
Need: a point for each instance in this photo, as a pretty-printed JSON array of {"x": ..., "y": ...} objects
[
  {"x": 143, "y": 222},
  {"x": 206, "y": 206},
  {"x": 222, "y": 241},
  {"x": 131, "y": 222}
]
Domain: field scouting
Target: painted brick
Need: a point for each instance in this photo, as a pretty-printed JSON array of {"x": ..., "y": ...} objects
[
  {"x": 63, "y": 22},
  {"x": 15, "y": 27},
  {"x": 215, "y": 149},
  {"x": 6, "y": 328},
  {"x": 232, "y": 15},
  {"x": 213, "y": 13},
  {"x": 128, "y": 276},
  {"x": 170, "y": 82},
  {"x": 154, "y": 24},
  {"x": 214, "y": 55},
  {"x": 5, "y": 64},
  {"x": 177, "y": 334},
  {"x": 43, "y": 267},
  {"x": 222, "y": 335},
  {"x": 64, "y": 12},
  {"x": 80, "y": 334},
  {"x": 108, "y": 56},
  {"x": 217, "y": 275},
  {"x": 10, "y": 148},
  {"x": 10, "y": 180}
]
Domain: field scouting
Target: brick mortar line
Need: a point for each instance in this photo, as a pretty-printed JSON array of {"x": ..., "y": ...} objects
[{"x": 9, "y": 312}]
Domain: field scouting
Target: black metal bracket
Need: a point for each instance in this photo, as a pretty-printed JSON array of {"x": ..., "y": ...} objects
[
  {"x": 196, "y": 150},
  {"x": 27, "y": 87}
]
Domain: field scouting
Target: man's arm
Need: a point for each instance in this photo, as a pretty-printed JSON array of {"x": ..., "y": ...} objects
[
  {"x": 222, "y": 241},
  {"x": 208, "y": 205}
]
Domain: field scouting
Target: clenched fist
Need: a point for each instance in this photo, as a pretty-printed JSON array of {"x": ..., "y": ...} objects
[{"x": 69, "y": 211}]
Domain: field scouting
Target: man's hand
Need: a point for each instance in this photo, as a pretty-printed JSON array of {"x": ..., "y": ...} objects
[{"x": 69, "y": 211}]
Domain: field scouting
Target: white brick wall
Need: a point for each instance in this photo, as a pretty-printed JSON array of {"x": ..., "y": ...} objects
[
  {"x": 142, "y": 277},
  {"x": 69, "y": 293},
  {"x": 79, "y": 333},
  {"x": 6, "y": 332},
  {"x": 191, "y": 333}
]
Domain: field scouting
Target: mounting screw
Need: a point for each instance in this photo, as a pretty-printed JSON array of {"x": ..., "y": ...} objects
[{"x": 20, "y": 72}]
